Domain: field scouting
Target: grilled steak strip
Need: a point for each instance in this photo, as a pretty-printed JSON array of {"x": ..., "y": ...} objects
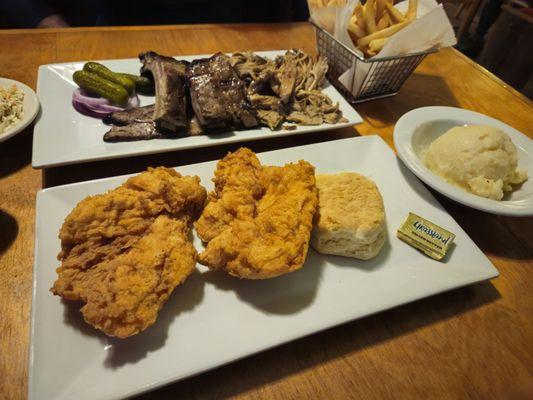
[
  {"x": 218, "y": 95},
  {"x": 140, "y": 129},
  {"x": 169, "y": 75},
  {"x": 125, "y": 117},
  {"x": 131, "y": 132}
]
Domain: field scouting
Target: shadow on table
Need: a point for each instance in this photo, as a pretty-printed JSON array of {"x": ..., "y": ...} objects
[
  {"x": 420, "y": 90},
  {"x": 129, "y": 165},
  {"x": 8, "y": 230},
  {"x": 280, "y": 362},
  {"x": 511, "y": 238},
  {"x": 119, "y": 351},
  {"x": 15, "y": 152}
]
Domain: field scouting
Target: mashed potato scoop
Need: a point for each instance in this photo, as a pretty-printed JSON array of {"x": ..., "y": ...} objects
[{"x": 479, "y": 159}]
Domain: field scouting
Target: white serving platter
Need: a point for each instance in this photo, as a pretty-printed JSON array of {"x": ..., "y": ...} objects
[
  {"x": 213, "y": 319},
  {"x": 64, "y": 136},
  {"x": 30, "y": 107},
  {"x": 417, "y": 129}
]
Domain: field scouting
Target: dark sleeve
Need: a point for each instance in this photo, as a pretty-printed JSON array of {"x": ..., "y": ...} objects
[
  {"x": 23, "y": 13},
  {"x": 301, "y": 10}
]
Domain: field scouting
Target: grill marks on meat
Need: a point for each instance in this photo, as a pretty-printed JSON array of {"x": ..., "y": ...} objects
[
  {"x": 218, "y": 95},
  {"x": 133, "y": 115},
  {"x": 170, "y": 110},
  {"x": 169, "y": 117},
  {"x": 133, "y": 124}
]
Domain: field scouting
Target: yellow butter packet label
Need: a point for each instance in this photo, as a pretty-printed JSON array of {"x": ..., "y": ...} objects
[{"x": 425, "y": 236}]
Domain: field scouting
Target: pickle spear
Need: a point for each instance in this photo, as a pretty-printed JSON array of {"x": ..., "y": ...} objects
[
  {"x": 142, "y": 83},
  {"x": 93, "y": 83},
  {"x": 106, "y": 73}
]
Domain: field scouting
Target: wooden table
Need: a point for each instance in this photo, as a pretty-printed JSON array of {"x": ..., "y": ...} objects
[{"x": 475, "y": 342}]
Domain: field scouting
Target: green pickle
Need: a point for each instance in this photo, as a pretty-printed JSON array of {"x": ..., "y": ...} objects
[
  {"x": 106, "y": 73},
  {"x": 142, "y": 83},
  {"x": 94, "y": 83}
]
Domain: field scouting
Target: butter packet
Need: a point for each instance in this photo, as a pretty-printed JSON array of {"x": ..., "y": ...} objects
[{"x": 425, "y": 236}]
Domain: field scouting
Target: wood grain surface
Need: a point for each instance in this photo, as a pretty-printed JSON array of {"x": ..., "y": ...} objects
[{"x": 471, "y": 343}]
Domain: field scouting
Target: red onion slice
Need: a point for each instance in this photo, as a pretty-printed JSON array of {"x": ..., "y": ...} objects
[
  {"x": 98, "y": 106},
  {"x": 83, "y": 109}
]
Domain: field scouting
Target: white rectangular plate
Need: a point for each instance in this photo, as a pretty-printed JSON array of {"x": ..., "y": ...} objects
[
  {"x": 64, "y": 136},
  {"x": 213, "y": 319}
]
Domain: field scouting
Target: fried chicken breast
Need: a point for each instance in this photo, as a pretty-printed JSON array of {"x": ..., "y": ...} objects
[
  {"x": 124, "y": 252},
  {"x": 238, "y": 188},
  {"x": 258, "y": 221}
]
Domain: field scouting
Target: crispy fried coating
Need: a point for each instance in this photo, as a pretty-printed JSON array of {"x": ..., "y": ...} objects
[
  {"x": 263, "y": 224},
  {"x": 238, "y": 187},
  {"x": 124, "y": 252}
]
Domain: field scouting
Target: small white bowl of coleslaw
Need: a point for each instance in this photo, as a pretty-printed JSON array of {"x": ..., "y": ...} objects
[{"x": 18, "y": 107}]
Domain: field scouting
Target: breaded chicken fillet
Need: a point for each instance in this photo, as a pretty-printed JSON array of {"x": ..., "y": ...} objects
[
  {"x": 258, "y": 221},
  {"x": 238, "y": 188},
  {"x": 124, "y": 252}
]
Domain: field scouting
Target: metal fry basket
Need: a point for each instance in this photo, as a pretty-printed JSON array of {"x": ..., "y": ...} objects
[{"x": 385, "y": 76}]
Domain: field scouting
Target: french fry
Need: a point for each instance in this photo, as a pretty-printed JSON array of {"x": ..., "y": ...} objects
[
  {"x": 411, "y": 10},
  {"x": 370, "y": 16},
  {"x": 355, "y": 30},
  {"x": 359, "y": 27},
  {"x": 377, "y": 44},
  {"x": 391, "y": 30},
  {"x": 384, "y": 22},
  {"x": 380, "y": 9},
  {"x": 395, "y": 15},
  {"x": 373, "y": 24},
  {"x": 359, "y": 13},
  {"x": 368, "y": 52}
]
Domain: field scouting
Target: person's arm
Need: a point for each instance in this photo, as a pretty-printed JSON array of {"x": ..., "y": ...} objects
[
  {"x": 28, "y": 14},
  {"x": 52, "y": 21}
]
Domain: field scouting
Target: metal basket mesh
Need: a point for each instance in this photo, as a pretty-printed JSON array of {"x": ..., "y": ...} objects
[{"x": 384, "y": 78}]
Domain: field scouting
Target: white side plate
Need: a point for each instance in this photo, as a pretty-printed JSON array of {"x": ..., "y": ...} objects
[
  {"x": 213, "y": 319},
  {"x": 415, "y": 131},
  {"x": 30, "y": 105},
  {"x": 64, "y": 136}
]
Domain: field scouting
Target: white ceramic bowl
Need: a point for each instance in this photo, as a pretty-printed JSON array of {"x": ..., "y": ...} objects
[
  {"x": 30, "y": 106},
  {"x": 415, "y": 131}
]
